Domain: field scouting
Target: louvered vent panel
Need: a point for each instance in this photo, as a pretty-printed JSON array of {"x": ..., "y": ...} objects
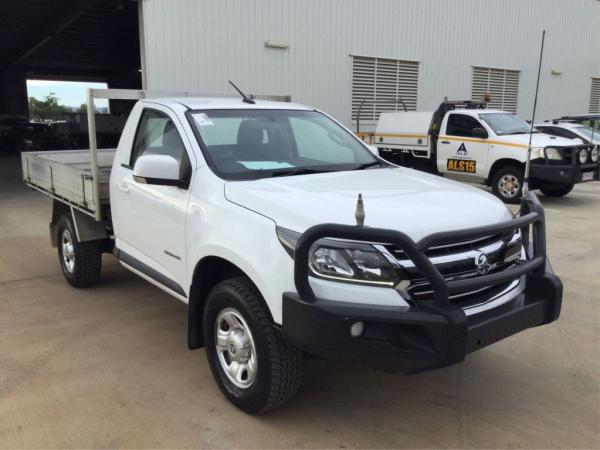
[
  {"x": 595, "y": 96},
  {"x": 380, "y": 83},
  {"x": 501, "y": 84}
]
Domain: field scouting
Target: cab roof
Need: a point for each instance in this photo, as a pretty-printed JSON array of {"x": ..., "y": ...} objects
[
  {"x": 566, "y": 125},
  {"x": 224, "y": 103}
]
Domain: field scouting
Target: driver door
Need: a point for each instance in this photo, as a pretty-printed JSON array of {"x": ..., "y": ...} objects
[
  {"x": 150, "y": 219},
  {"x": 459, "y": 151}
]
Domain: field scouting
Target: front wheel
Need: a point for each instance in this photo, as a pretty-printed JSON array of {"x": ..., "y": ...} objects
[
  {"x": 557, "y": 191},
  {"x": 507, "y": 184},
  {"x": 81, "y": 262},
  {"x": 255, "y": 368}
]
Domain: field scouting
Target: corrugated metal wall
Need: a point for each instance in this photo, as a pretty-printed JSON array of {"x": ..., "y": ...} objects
[{"x": 200, "y": 44}]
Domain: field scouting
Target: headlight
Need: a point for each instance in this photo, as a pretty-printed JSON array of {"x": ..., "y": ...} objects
[
  {"x": 583, "y": 156},
  {"x": 553, "y": 153},
  {"x": 351, "y": 261},
  {"x": 354, "y": 262},
  {"x": 537, "y": 152},
  {"x": 595, "y": 153}
]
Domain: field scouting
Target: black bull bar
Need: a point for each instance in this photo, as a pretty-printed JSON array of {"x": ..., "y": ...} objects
[
  {"x": 531, "y": 219},
  {"x": 431, "y": 335}
]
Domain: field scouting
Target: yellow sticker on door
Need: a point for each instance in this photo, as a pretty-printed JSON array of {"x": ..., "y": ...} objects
[{"x": 461, "y": 165}]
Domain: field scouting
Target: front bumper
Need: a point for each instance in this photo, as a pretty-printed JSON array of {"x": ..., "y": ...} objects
[
  {"x": 436, "y": 333},
  {"x": 564, "y": 174},
  {"x": 418, "y": 338}
]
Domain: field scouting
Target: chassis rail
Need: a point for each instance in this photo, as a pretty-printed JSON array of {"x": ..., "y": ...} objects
[{"x": 531, "y": 221}]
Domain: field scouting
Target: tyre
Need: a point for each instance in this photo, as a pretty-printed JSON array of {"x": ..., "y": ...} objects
[
  {"x": 507, "y": 184},
  {"x": 81, "y": 262},
  {"x": 557, "y": 191},
  {"x": 253, "y": 366}
]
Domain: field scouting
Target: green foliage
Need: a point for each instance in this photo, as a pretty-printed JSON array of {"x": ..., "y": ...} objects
[{"x": 49, "y": 108}]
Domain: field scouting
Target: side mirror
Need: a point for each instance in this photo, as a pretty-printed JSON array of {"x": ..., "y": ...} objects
[
  {"x": 480, "y": 133},
  {"x": 373, "y": 149},
  {"x": 156, "y": 169}
]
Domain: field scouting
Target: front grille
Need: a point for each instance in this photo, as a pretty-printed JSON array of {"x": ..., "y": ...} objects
[
  {"x": 456, "y": 260},
  {"x": 569, "y": 155},
  {"x": 450, "y": 248}
]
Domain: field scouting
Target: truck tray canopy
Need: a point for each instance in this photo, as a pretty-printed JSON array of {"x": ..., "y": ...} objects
[{"x": 404, "y": 128}]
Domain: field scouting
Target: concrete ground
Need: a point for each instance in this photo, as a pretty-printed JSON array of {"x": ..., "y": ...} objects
[{"x": 108, "y": 366}]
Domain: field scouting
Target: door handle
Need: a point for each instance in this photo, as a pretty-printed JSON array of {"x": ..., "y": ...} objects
[
  {"x": 123, "y": 187},
  {"x": 445, "y": 142}
]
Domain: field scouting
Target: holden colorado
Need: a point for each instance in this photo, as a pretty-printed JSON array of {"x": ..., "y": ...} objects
[{"x": 285, "y": 235}]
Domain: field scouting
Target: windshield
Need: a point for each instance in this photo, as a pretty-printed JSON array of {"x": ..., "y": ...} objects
[
  {"x": 587, "y": 132},
  {"x": 253, "y": 143},
  {"x": 505, "y": 123}
]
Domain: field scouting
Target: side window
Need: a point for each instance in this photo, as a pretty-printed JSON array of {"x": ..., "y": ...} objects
[
  {"x": 461, "y": 125},
  {"x": 568, "y": 134},
  {"x": 315, "y": 143},
  {"x": 544, "y": 130},
  {"x": 555, "y": 131},
  {"x": 157, "y": 135}
]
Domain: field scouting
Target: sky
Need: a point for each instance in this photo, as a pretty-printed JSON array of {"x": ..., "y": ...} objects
[{"x": 70, "y": 93}]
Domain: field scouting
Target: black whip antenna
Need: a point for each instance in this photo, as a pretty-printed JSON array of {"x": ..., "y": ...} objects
[
  {"x": 245, "y": 98},
  {"x": 537, "y": 85}
]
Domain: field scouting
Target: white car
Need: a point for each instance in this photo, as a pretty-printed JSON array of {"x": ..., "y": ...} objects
[
  {"x": 572, "y": 130},
  {"x": 284, "y": 234}
]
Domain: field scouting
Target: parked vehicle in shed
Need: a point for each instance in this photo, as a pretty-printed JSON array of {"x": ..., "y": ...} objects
[
  {"x": 29, "y": 136},
  {"x": 466, "y": 141},
  {"x": 283, "y": 233},
  {"x": 73, "y": 130}
]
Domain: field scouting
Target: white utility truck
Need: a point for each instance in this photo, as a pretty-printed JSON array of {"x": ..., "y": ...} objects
[
  {"x": 468, "y": 142},
  {"x": 285, "y": 235}
]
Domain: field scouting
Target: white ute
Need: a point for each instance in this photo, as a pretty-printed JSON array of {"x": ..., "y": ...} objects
[
  {"x": 251, "y": 213},
  {"x": 468, "y": 142}
]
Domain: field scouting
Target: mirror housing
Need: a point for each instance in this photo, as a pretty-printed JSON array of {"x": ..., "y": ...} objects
[
  {"x": 157, "y": 169},
  {"x": 480, "y": 133},
  {"x": 373, "y": 149}
]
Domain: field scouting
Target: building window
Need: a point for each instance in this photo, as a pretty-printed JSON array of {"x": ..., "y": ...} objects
[
  {"x": 382, "y": 84},
  {"x": 501, "y": 84},
  {"x": 595, "y": 96}
]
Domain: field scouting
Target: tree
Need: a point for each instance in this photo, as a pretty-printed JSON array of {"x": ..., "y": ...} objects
[
  {"x": 48, "y": 108},
  {"x": 83, "y": 108}
]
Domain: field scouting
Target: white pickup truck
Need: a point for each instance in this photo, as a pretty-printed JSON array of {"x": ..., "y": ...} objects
[
  {"x": 468, "y": 142},
  {"x": 284, "y": 234}
]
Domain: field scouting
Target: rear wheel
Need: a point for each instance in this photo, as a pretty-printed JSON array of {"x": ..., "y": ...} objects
[
  {"x": 507, "y": 183},
  {"x": 557, "y": 191},
  {"x": 253, "y": 366},
  {"x": 81, "y": 262}
]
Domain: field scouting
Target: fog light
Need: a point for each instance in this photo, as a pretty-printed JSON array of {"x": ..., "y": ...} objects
[{"x": 357, "y": 329}]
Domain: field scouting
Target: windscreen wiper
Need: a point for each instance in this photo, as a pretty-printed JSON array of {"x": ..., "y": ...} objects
[
  {"x": 284, "y": 173},
  {"x": 371, "y": 164}
]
